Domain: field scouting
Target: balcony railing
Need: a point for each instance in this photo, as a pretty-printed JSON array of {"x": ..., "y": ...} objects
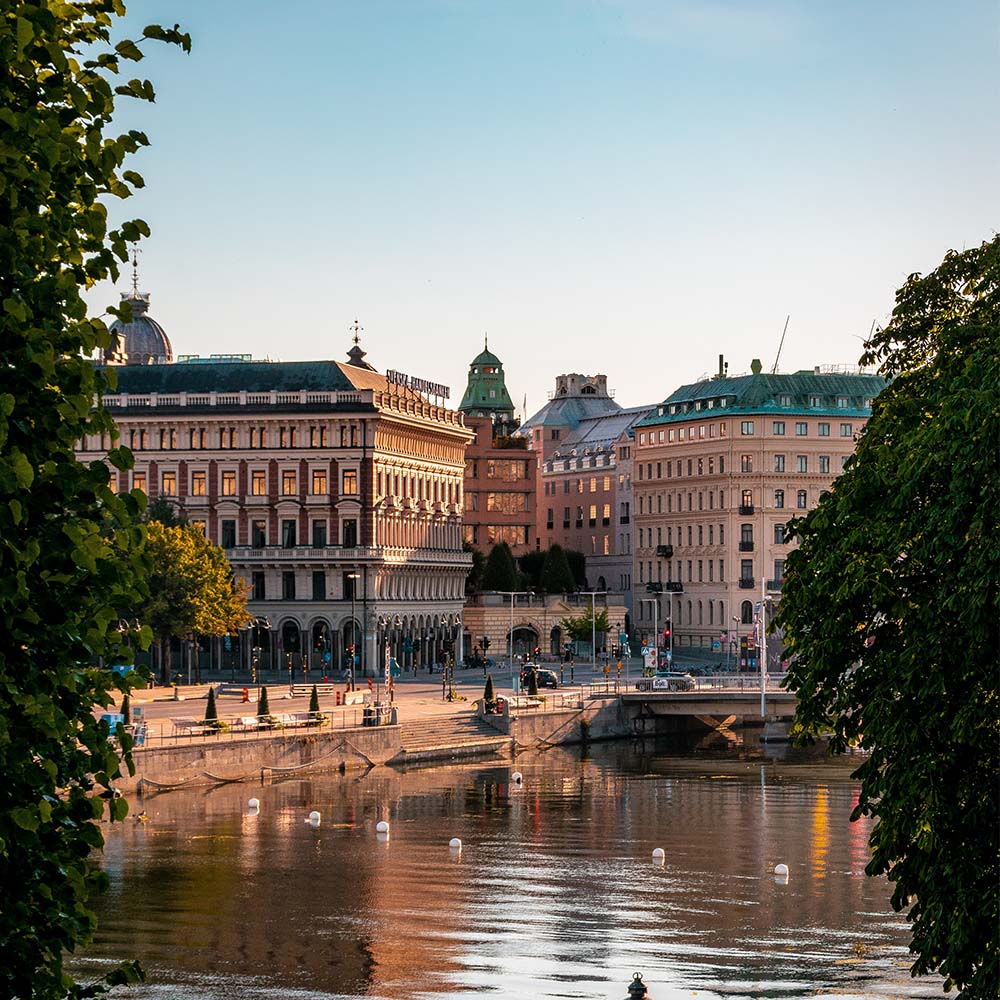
[
  {"x": 665, "y": 551},
  {"x": 746, "y": 546},
  {"x": 746, "y": 509},
  {"x": 674, "y": 587},
  {"x": 746, "y": 583},
  {"x": 774, "y": 584},
  {"x": 344, "y": 555}
]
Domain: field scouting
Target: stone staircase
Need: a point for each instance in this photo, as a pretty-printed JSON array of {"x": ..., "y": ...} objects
[{"x": 449, "y": 736}]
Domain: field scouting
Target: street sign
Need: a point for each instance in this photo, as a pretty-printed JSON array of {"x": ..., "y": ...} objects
[
  {"x": 623, "y": 637},
  {"x": 716, "y": 645}
]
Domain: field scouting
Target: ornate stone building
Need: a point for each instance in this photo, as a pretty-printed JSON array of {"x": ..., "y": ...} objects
[
  {"x": 721, "y": 466},
  {"x": 499, "y": 471},
  {"x": 337, "y": 496}
]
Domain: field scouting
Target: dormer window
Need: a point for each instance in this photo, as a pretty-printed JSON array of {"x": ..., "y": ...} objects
[
  {"x": 814, "y": 401},
  {"x": 841, "y": 402},
  {"x": 785, "y": 400}
]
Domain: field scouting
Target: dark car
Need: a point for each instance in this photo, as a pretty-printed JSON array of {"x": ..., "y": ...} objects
[{"x": 543, "y": 677}]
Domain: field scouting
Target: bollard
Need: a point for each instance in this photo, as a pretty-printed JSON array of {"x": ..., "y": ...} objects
[
  {"x": 338, "y": 699},
  {"x": 637, "y": 988}
]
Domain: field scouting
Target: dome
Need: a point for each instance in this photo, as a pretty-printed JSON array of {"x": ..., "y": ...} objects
[
  {"x": 487, "y": 357},
  {"x": 142, "y": 341}
]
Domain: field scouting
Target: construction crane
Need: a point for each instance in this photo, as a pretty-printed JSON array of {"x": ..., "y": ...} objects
[{"x": 774, "y": 370}]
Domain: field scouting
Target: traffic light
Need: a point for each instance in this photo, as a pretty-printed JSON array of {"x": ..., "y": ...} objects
[{"x": 537, "y": 651}]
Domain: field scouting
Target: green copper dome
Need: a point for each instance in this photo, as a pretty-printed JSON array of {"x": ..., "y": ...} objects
[{"x": 486, "y": 393}]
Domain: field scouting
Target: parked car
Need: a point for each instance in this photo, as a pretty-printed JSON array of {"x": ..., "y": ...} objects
[
  {"x": 544, "y": 677},
  {"x": 672, "y": 680}
]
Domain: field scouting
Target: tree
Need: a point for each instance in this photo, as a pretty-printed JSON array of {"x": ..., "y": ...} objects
[
  {"x": 211, "y": 711},
  {"x": 584, "y": 626},
  {"x": 578, "y": 567},
  {"x": 71, "y": 554},
  {"x": 489, "y": 694},
  {"x": 500, "y": 572},
  {"x": 314, "y": 701},
  {"x": 192, "y": 589},
  {"x": 890, "y": 609},
  {"x": 263, "y": 709},
  {"x": 556, "y": 575},
  {"x": 473, "y": 582},
  {"x": 530, "y": 566},
  {"x": 162, "y": 510}
]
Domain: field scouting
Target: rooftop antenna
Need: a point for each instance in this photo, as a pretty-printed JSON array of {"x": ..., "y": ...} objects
[
  {"x": 135, "y": 271},
  {"x": 774, "y": 370}
]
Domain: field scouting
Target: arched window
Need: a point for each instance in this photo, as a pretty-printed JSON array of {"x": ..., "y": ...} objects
[
  {"x": 746, "y": 613},
  {"x": 700, "y": 621}
]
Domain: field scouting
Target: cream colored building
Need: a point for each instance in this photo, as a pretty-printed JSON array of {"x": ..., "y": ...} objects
[
  {"x": 720, "y": 467},
  {"x": 336, "y": 495}
]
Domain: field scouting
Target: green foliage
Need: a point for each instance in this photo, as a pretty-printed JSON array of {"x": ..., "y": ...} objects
[
  {"x": 165, "y": 512},
  {"x": 263, "y": 709},
  {"x": 583, "y": 627},
  {"x": 530, "y": 566},
  {"x": 211, "y": 711},
  {"x": 192, "y": 588},
  {"x": 314, "y": 701},
  {"x": 556, "y": 575},
  {"x": 473, "y": 582},
  {"x": 71, "y": 551},
  {"x": 890, "y": 611},
  {"x": 578, "y": 567},
  {"x": 500, "y": 573},
  {"x": 489, "y": 694}
]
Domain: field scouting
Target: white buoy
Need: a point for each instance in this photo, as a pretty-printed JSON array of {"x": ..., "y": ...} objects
[
  {"x": 382, "y": 826},
  {"x": 659, "y": 854},
  {"x": 254, "y": 803},
  {"x": 455, "y": 844},
  {"x": 314, "y": 817},
  {"x": 516, "y": 777},
  {"x": 781, "y": 871}
]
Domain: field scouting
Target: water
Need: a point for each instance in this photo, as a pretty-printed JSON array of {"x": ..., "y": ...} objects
[{"x": 553, "y": 894}]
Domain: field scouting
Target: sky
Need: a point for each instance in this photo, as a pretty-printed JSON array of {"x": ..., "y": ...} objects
[{"x": 626, "y": 187}]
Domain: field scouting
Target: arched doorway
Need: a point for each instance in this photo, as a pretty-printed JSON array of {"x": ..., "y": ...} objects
[
  {"x": 556, "y": 642},
  {"x": 351, "y": 639},
  {"x": 289, "y": 648},
  {"x": 525, "y": 639},
  {"x": 321, "y": 652}
]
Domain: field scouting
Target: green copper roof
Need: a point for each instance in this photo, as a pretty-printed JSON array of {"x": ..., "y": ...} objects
[
  {"x": 486, "y": 393},
  {"x": 813, "y": 391},
  {"x": 233, "y": 376}
]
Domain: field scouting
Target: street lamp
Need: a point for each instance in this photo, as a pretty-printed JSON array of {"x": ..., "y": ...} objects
[
  {"x": 510, "y": 635},
  {"x": 354, "y": 629}
]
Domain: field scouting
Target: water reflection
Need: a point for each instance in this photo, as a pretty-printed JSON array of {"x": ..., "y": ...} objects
[{"x": 554, "y": 892}]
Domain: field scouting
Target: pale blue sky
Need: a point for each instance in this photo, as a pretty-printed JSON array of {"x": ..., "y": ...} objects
[{"x": 620, "y": 186}]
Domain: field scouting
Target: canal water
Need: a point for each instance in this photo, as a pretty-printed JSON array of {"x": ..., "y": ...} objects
[{"x": 553, "y": 894}]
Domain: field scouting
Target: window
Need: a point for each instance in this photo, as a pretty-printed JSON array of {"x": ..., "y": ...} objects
[
  {"x": 197, "y": 484},
  {"x": 507, "y": 503},
  {"x": 258, "y": 483},
  {"x": 549, "y": 522},
  {"x": 288, "y": 585},
  {"x": 579, "y": 517},
  {"x": 593, "y": 484},
  {"x": 778, "y": 428},
  {"x": 319, "y": 585},
  {"x": 258, "y": 534},
  {"x": 258, "y": 437},
  {"x": 746, "y": 569},
  {"x": 841, "y": 402},
  {"x": 784, "y": 401},
  {"x": 606, "y": 515},
  {"x": 196, "y": 438},
  {"x": 779, "y": 463},
  {"x": 800, "y": 499},
  {"x": 113, "y": 482},
  {"x": 746, "y": 613},
  {"x": 227, "y": 536},
  {"x": 168, "y": 484},
  {"x": 746, "y": 463},
  {"x": 350, "y": 482},
  {"x": 229, "y": 482},
  {"x": 746, "y": 427},
  {"x": 289, "y": 437},
  {"x": 823, "y": 429},
  {"x": 801, "y": 429},
  {"x": 350, "y": 536},
  {"x": 288, "y": 483},
  {"x": 779, "y": 535},
  {"x": 593, "y": 515},
  {"x": 319, "y": 534},
  {"x": 824, "y": 463},
  {"x": 288, "y": 534},
  {"x": 168, "y": 438},
  {"x": 846, "y": 430},
  {"x": 319, "y": 482},
  {"x": 565, "y": 517},
  {"x": 801, "y": 463},
  {"x": 257, "y": 587},
  {"x": 779, "y": 499},
  {"x": 814, "y": 401},
  {"x": 508, "y": 470}
]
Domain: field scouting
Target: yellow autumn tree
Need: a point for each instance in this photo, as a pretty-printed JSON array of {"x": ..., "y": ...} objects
[{"x": 193, "y": 591}]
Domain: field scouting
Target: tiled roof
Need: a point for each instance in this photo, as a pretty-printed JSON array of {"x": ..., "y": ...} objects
[
  {"x": 604, "y": 430},
  {"x": 235, "y": 376}
]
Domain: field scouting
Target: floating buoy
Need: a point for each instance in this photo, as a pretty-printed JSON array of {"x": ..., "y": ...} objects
[
  {"x": 516, "y": 777},
  {"x": 781, "y": 871},
  {"x": 455, "y": 844},
  {"x": 254, "y": 803},
  {"x": 381, "y": 826},
  {"x": 314, "y": 817},
  {"x": 659, "y": 854}
]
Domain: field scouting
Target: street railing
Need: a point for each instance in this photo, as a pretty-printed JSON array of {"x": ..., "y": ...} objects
[{"x": 703, "y": 682}]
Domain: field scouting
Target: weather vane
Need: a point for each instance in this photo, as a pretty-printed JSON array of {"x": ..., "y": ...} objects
[
  {"x": 357, "y": 328},
  {"x": 135, "y": 271}
]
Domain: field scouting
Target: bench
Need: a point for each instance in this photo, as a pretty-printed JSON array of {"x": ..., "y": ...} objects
[
  {"x": 191, "y": 727},
  {"x": 305, "y": 689}
]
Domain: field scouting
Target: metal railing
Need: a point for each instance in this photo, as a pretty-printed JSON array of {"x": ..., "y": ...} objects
[{"x": 705, "y": 682}]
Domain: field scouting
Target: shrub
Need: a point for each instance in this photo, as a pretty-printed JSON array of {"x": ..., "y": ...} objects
[
  {"x": 489, "y": 695},
  {"x": 211, "y": 710}
]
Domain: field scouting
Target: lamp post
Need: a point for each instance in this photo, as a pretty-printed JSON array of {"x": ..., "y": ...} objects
[
  {"x": 354, "y": 630},
  {"x": 592, "y": 594},
  {"x": 512, "y": 594}
]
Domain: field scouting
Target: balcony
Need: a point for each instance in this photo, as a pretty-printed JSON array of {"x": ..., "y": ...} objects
[
  {"x": 746, "y": 583},
  {"x": 746, "y": 510},
  {"x": 774, "y": 585},
  {"x": 674, "y": 587},
  {"x": 654, "y": 588},
  {"x": 746, "y": 546},
  {"x": 665, "y": 551}
]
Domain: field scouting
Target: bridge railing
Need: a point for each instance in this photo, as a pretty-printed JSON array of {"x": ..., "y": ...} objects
[{"x": 704, "y": 682}]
